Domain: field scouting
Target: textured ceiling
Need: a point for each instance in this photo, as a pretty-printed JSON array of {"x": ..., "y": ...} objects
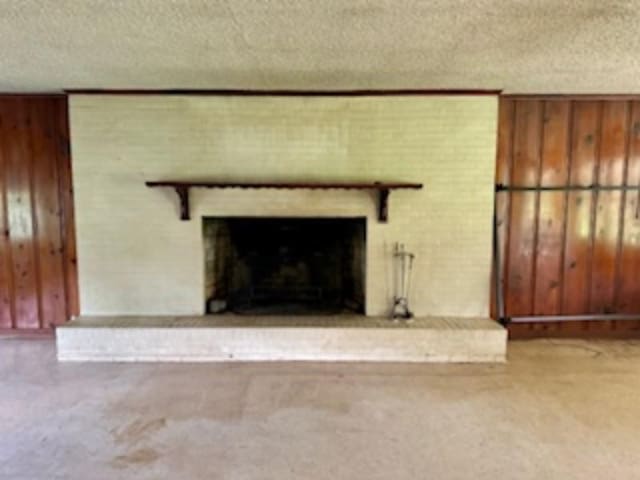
[{"x": 550, "y": 46}]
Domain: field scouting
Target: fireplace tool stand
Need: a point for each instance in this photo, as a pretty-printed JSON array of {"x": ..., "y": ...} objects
[{"x": 403, "y": 266}]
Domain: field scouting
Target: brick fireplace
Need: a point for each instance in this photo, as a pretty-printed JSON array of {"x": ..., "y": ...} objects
[
  {"x": 153, "y": 263},
  {"x": 137, "y": 258}
]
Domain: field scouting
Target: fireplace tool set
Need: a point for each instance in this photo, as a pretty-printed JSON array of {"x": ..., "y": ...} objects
[{"x": 403, "y": 265}]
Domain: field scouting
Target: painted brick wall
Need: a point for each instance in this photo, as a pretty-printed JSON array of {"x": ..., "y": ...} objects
[{"x": 136, "y": 257}]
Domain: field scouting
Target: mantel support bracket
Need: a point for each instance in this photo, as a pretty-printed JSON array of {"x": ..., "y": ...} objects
[
  {"x": 183, "y": 195},
  {"x": 383, "y": 205}
]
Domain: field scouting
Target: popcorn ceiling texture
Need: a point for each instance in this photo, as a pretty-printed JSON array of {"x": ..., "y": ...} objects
[
  {"x": 136, "y": 257},
  {"x": 543, "y": 46}
]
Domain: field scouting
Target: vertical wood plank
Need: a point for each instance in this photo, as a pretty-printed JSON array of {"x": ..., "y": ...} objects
[
  {"x": 551, "y": 217},
  {"x": 67, "y": 218},
  {"x": 47, "y": 214},
  {"x": 522, "y": 238},
  {"x": 7, "y": 306},
  {"x": 628, "y": 300},
  {"x": 20, "y": 218},
  {"x": 607, "y": 209},
  {"x": 578, "y": 229}
]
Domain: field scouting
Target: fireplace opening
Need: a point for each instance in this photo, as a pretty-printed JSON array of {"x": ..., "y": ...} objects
[{"x": 281, "y": 266}]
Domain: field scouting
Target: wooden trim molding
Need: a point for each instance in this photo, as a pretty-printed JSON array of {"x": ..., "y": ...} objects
[
  {"x": 41, "y": 95},
  {"x": 284, "y": 93},
  {"x": 331, "y": 93},
  {"x": 570, "y": 96}
]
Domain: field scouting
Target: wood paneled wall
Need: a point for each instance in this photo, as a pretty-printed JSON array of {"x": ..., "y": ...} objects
[
  {"x": 38, "y": 276},
  {"x": 570, "y": 252}
]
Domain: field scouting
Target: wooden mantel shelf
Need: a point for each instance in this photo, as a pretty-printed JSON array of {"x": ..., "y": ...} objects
[{"x": 383, "y": 188}]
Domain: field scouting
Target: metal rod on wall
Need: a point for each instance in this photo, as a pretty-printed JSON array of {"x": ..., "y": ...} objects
[
  {"x": 563, "y": 188},
  {"x": 568, "y": 318}
]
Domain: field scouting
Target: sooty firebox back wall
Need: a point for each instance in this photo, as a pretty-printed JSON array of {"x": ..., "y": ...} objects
[{"x": 284, "y": 265}]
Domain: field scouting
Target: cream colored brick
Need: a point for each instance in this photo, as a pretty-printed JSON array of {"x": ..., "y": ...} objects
[{"x": 136, "y": 257}]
